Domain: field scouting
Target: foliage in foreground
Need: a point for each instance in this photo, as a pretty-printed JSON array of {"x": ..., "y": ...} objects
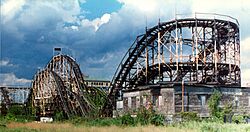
[
  {"x": 190, "y": 126},
  {"x": 208, "y": 126},
  {"x": 189, "y": 116},
  {"x": 17, "y": 113},
  {"x": 224, "y": 114},
  {"x": 143, "y": 117},
  {"x": 213, "y": 104}
]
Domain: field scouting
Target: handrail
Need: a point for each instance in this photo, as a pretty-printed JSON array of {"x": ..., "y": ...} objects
[{"x": 214, "y": 15}]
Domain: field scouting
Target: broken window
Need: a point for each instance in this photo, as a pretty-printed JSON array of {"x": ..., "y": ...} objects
[
  {"x": 236, "y": 100},
  {"x": 129, "y": 102},
  {"x": 185, "y": 100},
  {"x": 160, "y": 100},
  {"x": 119, "y": 105},
  {"x": 144, "y": 100},
  {"x": 125, "y": 102},
  {"x": 154, "y": 100},
  {"x": 203, "y": 100},
  {"x": 133, "y": 101}
]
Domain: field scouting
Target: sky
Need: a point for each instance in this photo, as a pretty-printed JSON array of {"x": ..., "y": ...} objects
[{"x": 97, "y": 33}]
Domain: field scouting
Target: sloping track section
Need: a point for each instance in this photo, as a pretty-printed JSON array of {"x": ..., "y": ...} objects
[
  {"x": 60, "y": 87},
  {"x": 194, "y": 50}
]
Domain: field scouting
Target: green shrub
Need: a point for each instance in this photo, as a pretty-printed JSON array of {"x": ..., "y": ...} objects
[
  {"x": 213, "y": 104},
  {"x": 209, "y": 128},
  {"x": 59, "y": 116},
  {"x": 247, "y": 129},
  {"x": 143, "y": 116},
  {"x": 10, "y": 117},
  {"x": 16, "y": 110},
  {"x": 77, "y": 120},
  {"x": 238, "y": 119},
  {"x": 148, "y": 116},
  {"x": 157, "y": 120},
  {"x": 128, "y": 120},
  {"x": 104, "y": 122},
  {"x": 189, "y": 116}
]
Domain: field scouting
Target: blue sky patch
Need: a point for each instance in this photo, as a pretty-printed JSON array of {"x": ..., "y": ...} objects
[{"x": 96, "y": 8}]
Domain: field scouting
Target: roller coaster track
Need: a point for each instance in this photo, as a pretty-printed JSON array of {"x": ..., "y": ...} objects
[
  {"x": 212, "y": 53},
  {"x": 60, "y": 87}
]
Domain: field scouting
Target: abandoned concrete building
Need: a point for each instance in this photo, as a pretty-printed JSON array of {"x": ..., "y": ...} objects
[
  {"x": 167, "y": 99},
  {"x": 177, "y": 65}
]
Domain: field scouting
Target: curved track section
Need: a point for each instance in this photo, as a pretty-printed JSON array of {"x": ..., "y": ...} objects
[
  {"x": 197, "y": 51},
  {"x": 60, "y": 87}
]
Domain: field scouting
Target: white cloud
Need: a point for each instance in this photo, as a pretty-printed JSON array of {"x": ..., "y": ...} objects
[
  {"x": 245, "y": 48},
  {"x": 146, "y": 6},
  {"x": 156, "y": 8},
  {"x": 245, "y": 77},
  {"x": 239, "y": 9},
  {"x": 9, "y": 9},
  {"x": 96, "y": 23},
  {"x": 142, "y": 12},
  {"x": 8, "y": 79},
  {"x": 104, "y": 59},
  {"x": 213, "y": 6},
  {"x": 68, "y": 10},
  {"x": 75, "y": 28},
  {"x": 245, "y": 61},
  {"x": 5, "y": 63},
  {"x": 35, "y": 12},
  {"x": 45, "y": 20}
]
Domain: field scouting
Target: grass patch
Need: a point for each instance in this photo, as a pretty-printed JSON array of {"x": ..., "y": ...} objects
[
  {"x": 190, "y": 126},
  {"x": 66, "y": 127},
  {"x": 205, "y": 126}
]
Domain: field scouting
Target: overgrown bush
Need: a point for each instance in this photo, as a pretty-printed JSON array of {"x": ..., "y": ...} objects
[
  {"x": 143, "y": 116},
  {"x": 149, "y": 116},
  {"x": 189, "y": 116},
  {"x": 157, "y": 120},
  {"x": 105, "y": 122},
  {"x": 209, "y": 128},
  {"x": 16, "y": 110},
  {"x": 77, "y": 120},
  {"x": 18, "y": 113},
  {"x": 128, "y": 120},
  {"x": 59, "y": 116},
  {"x": 213, "y": 104},
  {"x": 10, "y": 117},
  {"x": 238, "y": 119},
  {"x": 220, "y": 114}
]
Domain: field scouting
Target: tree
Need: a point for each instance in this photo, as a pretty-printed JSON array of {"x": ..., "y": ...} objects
[{"x": 213, "y": 104}]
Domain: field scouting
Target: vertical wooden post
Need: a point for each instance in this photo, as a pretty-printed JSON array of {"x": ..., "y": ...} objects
[
  {"x": 182, "y": 96},
  {"x": 159, "y": 55}
]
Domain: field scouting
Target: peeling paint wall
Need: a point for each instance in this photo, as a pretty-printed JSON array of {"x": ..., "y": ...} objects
[
  {"x": 160, "y": 99},
  {"x": 168, "y": 100}
]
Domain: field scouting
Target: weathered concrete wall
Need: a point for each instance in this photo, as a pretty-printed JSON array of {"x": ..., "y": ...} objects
[
  {"x": 168, "y": 100},
  {"x": 196, "y": 99},
  {"x": 160, "y": 99}
]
